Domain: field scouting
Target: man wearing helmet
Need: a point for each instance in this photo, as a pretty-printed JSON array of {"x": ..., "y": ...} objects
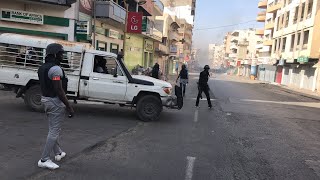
[
  {"x": 53, "y": 84},
  {"x": 203, "y": 86}
]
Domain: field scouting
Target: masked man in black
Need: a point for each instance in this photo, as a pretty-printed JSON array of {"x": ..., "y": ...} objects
[
  {"x": 53, "y": 82},
  {"x": 203, "y": 86}
]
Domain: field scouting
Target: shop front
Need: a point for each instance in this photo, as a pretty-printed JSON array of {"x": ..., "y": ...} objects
[
  {"x": 134, "y": 51},
  {"x": 148, "y": 53},
  {"x": 43, "y": 19}
]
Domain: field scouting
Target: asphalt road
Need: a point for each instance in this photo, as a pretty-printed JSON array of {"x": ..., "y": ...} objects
[{"x": 254, "y": 131}]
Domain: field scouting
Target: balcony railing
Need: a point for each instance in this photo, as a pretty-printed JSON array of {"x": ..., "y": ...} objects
[
  {"x": 263, "y": 4},
  {"x": 275, "y": 6},
  {"x": 260, "y": 32},
  {"x": 269, "y": 26},
  {"x": 268, "y": 42},
  {"x": 261, "y": 16},
  {"x": 173, "y": 35},
  {"x": 110, "y": 10}
]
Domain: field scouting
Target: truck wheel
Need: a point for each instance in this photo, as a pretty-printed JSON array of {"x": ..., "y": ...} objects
[
  {"x": 32, "y": 98},
  {"x": 149, "y": 108}
]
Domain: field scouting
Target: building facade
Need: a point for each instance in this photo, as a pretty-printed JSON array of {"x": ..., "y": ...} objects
[
  {"x": 294, "y": 41},
  {"x": 51, "y": 19}
]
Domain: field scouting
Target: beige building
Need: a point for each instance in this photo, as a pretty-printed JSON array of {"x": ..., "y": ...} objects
[{"x": 291, "y": 32}]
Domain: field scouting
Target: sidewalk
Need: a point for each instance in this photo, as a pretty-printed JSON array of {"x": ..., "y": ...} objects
[{"x": 289, "y": 89}]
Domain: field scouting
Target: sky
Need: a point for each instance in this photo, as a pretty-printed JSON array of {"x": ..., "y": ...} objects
[{"x": 215, "y": 13}]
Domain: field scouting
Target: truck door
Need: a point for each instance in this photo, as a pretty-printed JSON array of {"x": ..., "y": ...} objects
[{"x": 107, "y": 80}]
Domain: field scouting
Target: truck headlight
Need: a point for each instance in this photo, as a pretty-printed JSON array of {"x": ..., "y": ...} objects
[{"x": 167, "y": 90}]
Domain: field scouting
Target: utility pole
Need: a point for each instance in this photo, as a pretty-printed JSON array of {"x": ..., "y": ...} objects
[
  {"x": 94, "y": 25},
  {"x": 125, "y": 28}
]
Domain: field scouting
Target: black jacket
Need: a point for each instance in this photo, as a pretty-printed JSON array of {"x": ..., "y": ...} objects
[{"x": 204, "y": 78}]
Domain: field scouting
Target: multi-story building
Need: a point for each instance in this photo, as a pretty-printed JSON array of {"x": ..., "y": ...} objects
[
  {"x": 185, "y": 43},
  {"x": 216, "y": 55},
  {"x": 45, "y": 18},
  {"x": 294, "y": 27}
]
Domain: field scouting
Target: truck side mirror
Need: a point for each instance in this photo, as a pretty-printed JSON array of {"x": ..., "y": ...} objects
[{"x": 114, "y": 72}]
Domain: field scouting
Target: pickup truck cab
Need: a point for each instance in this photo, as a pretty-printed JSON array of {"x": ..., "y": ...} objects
[{"x": 92, "y": 76}]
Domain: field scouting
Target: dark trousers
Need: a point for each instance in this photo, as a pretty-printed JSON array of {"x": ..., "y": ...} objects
[
  {"x": 183, "y": 86},
  {"x": 204, "y": 89}
]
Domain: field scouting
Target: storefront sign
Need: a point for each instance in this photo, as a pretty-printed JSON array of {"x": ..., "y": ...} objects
[
  {"x": 303, "y": 59},
  {"x": 21, "y": 16},
  {"x": 148, "y": 45},
  {"x": 83, "y": 27},
  {"x": 134, "y": 24},
  {"x": 113, "y": 34},
  {"x": 100, "y": 30},
  {"x": 173, "y": 49}
]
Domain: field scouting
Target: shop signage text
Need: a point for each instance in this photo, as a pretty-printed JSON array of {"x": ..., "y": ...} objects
[
  {"x": 114, "y": 34},
  {"x": 134, "y": 24},
  {"x": 83, "y": 27},
  {"x": 303, "y": 59},
  {"x": 21, "y": 16},
  {"x": 148, "y": 45},
  {"x": 173, "y": 49}
]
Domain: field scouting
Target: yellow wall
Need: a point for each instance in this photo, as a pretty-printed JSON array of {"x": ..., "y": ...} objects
[
  {"x": 315, "y": 48},
  {"x": 133, "y": 51}
]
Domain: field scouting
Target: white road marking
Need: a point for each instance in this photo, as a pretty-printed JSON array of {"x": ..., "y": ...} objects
[
  {"x": 203, "y": 99},
  {"x": 196, "y": 114},
  {"x": 228, "y": 114},
  {"x": 189, "y": 169},
  {"x": 306, "y": 104}
]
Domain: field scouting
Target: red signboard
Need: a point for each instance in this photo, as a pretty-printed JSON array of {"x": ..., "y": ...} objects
[{"x": 134, "y": 24}]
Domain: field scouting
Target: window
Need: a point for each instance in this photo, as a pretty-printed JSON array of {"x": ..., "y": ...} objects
[
  {"x": 310, "y": 6},
  {"x": 114, "y": 48},
  {"x": 292, "y": 42},
  {"x": 298, "y": 42},
  {"x": 106, "y": 65},
  {"x": 302, "y": 11},
  {"x": 275, "y": 46},
  {"x": 287, "y": 16},
  {"x": 305, "y": 39},
  {"x": 284, "y": 41},
  {"x": 296, "y": 15}
]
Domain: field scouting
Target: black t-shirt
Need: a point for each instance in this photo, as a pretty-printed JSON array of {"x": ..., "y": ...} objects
[
  {"x": 184, "y": 74},
  {"x": 204, "y": 77}
]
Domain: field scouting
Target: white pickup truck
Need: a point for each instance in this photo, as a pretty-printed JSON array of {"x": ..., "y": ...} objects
[{"x": 21, "y": 56}]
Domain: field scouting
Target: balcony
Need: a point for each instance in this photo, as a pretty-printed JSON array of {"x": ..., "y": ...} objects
[
  {"x": 174, "y": 36},
  {"x": 161, "y": 48},
  {"x": 66, "y": 3},
  {"x": 158, "y": 8},
  {"x": 108, "y": 10},
  {"x": 260, "y": 32},
  {"x": 274, "y": 8},
  {"x": 268, "y": 42},
  {"x": 261, "y": 16},
  {"x": 269, "y": 26},
  {"x": 263, "y": 4}
]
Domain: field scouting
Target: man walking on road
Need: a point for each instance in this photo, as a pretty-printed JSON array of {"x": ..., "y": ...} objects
[
  {"x": 203, "y": 86},
  {"x": 53, "y": 84}
]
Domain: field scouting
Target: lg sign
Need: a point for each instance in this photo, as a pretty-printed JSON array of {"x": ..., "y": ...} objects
[{"x": 134, "y": 24}]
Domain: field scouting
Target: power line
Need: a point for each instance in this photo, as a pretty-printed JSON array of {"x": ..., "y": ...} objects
[{"x": 230, "y": 25}]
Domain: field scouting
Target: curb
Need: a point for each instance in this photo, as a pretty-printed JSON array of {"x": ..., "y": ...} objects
[{"x": 286, "y": 89}]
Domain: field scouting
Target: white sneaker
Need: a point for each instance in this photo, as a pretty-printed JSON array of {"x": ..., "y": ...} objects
[
  {"x": 59, "y": 157},
  {"x": 47, "y": 164}
]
